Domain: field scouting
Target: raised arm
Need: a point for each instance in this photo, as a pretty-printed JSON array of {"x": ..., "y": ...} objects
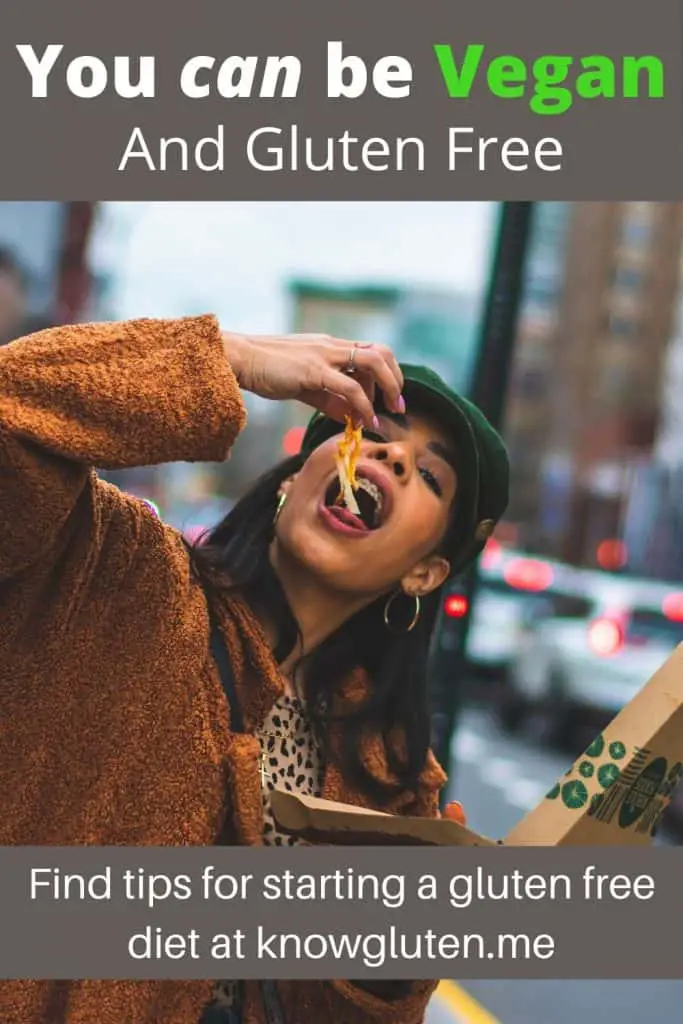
[
  {"x": 144, "y": 392},
  {"x": 112, "y": 395}
]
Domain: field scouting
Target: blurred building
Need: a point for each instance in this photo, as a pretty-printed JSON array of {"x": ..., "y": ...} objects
[
  {"x": 530, "y": 398},
  {"x": 653, "y": 528},
  {"x": 586, "y": 392},
  {"x": 108, "y": 254},
  {"x": 50, "y": 241},
  {"x": 669, "y": 446}
]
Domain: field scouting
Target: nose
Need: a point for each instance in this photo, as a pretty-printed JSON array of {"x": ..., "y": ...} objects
[{"x": 396, "y": 456}]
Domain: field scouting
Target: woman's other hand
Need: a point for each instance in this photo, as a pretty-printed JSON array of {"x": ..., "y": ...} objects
[
  {"x": 454, "y": 811},
  {"x": 337, "y": 377}
]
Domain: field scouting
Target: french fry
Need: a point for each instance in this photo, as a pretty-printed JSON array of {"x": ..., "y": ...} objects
[{"x": 347, "y": 458}]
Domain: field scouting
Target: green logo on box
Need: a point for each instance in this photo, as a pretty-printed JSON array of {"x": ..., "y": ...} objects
[
  {"x": 597, "y": 746},
  {"x": 643, "y": 791},
  {"x": 608, "y": 775},
  {"x": 574, "y": 795}
]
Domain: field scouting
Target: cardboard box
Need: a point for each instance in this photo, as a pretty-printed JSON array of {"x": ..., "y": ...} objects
[
  {"x": 613, "y": 795},
  {"x": 324, "y": 821}
]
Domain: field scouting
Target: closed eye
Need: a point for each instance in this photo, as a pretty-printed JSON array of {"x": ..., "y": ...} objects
[{"x": 431, "y": 481}]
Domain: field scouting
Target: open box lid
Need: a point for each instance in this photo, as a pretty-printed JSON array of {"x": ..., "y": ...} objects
[
  {"x": 613, "y": 795},
  {"x": 324, "y": 821}
]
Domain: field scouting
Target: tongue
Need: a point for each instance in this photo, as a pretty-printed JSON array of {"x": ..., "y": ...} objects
[{"x": 342, "y": 513}]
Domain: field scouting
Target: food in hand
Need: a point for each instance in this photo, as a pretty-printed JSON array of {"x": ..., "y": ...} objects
[{"x": 347, "y": 459}]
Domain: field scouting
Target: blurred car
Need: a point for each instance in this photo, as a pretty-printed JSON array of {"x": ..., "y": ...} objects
[
  {"x": 505, "y": 590},
  {"x": 508, "y": 579},
  {"x": 585, "y": 651}
]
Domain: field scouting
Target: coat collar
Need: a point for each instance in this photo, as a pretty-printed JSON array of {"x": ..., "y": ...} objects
[{"x": 258, "y": 682}]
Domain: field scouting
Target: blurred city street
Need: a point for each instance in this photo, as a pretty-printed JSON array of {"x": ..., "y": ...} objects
[
  {"x": 498, "y": 778},
  {"x": 560, "y": 1002}
]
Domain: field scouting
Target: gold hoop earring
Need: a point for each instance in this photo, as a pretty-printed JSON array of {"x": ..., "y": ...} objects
[
  {"x": 387, "y": 607},
  {"x": 280, "y": 505}
]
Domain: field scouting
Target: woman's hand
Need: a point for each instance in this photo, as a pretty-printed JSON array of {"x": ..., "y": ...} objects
[
  {"x": 454, "y": 811},
  {"x": 315, "y": 369}
]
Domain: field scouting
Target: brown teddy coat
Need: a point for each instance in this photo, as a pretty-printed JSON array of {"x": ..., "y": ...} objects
[{"x": 114, "y": 729}]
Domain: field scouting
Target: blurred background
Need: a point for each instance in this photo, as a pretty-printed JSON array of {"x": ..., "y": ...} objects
[{"x": 565, "y": 322}]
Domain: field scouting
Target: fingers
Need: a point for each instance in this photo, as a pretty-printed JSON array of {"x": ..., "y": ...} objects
[
  {"x": 334, "y": 406},
  {"x": 348, "y": 388},
  {"x": 379, "y": 365},
  {"x": 392, "y": 362},
  {"x": 454, "y": 811},
  {"x": 368, "y": 385},
  {"x": 372, "y": 363}
]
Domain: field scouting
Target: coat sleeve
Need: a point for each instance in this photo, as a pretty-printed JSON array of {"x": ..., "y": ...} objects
[
  {"x": 405, "y": 1002},
  {"x": 112, "y": 396}
]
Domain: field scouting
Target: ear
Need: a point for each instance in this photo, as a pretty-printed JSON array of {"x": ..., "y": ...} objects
[
  {"x": 426, "y": 576},
  {"x": 286, "y": 484}
]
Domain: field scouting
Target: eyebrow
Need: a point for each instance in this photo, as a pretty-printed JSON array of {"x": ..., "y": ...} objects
[
  {"x": 440, "y": 450},
  {"x": 447, "y": 454}
]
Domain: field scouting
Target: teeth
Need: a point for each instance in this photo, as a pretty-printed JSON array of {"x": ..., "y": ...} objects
[{"x": 373, "y": 490}]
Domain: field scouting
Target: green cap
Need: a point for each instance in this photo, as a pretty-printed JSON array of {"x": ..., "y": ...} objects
[{"x": 483, "y": 483}]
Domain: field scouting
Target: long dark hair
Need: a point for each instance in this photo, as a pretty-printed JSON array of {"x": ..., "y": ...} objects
[{"x": 395, "y": 660}]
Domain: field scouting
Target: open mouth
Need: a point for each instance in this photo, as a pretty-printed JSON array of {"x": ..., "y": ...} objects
[{"x": 371, "y": 501}]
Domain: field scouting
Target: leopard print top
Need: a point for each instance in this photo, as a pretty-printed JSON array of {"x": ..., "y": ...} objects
[
  {"x": 293, "y": 760},
  {"x": 292, "y": 763}
]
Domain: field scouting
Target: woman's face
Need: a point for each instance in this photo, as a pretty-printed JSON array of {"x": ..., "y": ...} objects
[{"x": 407, "y": 483}]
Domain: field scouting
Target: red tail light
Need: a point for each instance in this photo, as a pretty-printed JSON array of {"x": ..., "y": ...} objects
[
  {"x": 291, "y": 442},
  {"x": 672, "y": 607},
  {"x": 491, "y": 554},
  {"x": 605, "y": 637},
  {"x": 455, "y": 606},
  {"x": 528, "y": 574}
]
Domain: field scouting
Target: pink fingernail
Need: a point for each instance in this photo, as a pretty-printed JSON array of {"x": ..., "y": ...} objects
[
  {"x": 375, "y": 422},
  {"x": 401, "y": 404}
]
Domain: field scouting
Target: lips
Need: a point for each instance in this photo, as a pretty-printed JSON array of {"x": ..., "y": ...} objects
[{"x": 373, "y": 496}]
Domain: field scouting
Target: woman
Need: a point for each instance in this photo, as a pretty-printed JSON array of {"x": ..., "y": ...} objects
[{"x": 114, "y": 727}]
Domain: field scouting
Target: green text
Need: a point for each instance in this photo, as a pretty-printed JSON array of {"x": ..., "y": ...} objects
[{"x": 552, "y": 82}]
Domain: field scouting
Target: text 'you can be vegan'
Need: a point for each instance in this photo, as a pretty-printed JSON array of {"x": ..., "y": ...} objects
[{"x": 548, "y": 86}]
